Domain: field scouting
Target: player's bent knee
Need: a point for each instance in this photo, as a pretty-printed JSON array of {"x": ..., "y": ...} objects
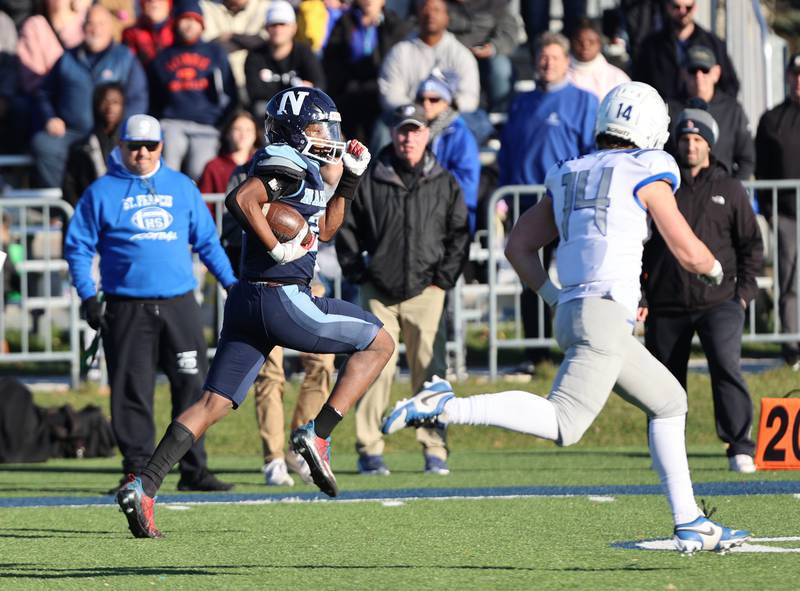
[
  {"x": 675, "y": 404},
  {"x": 383, "y": 343}
]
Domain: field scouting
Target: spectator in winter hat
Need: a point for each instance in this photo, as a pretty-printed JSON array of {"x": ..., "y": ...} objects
[{"x": 193, "y": 91}]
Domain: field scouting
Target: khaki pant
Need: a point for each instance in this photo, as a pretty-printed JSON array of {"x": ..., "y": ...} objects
[
  {"x": 268, "y": 389},
  {"x": 420, "y": 320}
]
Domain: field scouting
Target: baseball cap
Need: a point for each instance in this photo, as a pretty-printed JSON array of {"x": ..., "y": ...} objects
[
  {"x": 141, "y": 128},
  {"x": 700, "y": 57},
  {"x": 280, "y": 12},
  {"x": 699, "y": 121},
  {"x": 793, "y": 65},
  {"x": 409, "y": 115}
]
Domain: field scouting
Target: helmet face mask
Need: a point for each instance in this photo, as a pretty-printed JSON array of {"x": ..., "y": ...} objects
[
  {"x": 307, "y": 120},
  {"x": 636, "y": 113},
  {"x": 324, "y": 141}
]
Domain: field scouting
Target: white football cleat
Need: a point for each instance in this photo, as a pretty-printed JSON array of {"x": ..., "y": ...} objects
[
  {"x": 704, "y": 534},
  {"x": 276, "y": 474},
  {"x": 741, "y": 463},
  {"x": 423, "y": 410}
]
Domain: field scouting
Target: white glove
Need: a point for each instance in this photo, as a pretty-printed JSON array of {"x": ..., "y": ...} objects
[
  {"x": 714, "y": 276},
  {"x": 356, "y": 158},
  {"x": 549, "y": 293},
  {"x": 286, "y": 252}
]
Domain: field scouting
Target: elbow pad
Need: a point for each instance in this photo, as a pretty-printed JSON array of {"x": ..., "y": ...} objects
[{"x": 281, "y": 176}]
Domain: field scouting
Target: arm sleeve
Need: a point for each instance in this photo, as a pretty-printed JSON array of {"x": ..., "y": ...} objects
[
  {"x": 749, "y": 247},
  {"x": 659, "y": 166},
  {"x": 205, "y": 242},
  {"x": 247, "y": 42},
  {"x": 392, "y": 79},
  {"x": 506, "y": 30},
  {"x": 469, "y": 87},
  {"x": 744, "y": 150},
  {"x": 456, "y": 242},
  {"x": 136, "y": 98},
  {"x": 80, "y": 244},
  {"x": 764, "y": 166},
  {"x": 467, "y": 171},
  {"x": 728, "y": 81},
  {"x": 348, "y": 239},
  {"x": 45, "y": 97},
  {"x": 587, "y": 129}
]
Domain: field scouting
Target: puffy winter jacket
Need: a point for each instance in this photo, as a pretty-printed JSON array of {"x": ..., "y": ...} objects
[{"x": 413, "y": 237}]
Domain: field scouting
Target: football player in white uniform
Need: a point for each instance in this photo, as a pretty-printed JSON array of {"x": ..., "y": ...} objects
[{"x": 599, "y": 207}]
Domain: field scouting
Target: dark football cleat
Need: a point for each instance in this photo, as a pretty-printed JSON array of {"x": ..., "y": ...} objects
[
  {"x": 138, "y": 509},
  {"x": 316, "y": 451}
]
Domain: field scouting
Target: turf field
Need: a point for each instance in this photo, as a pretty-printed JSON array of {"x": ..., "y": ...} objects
[{"x": 513, "y": 513}]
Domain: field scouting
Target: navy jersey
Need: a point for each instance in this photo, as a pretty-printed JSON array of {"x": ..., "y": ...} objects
[{"x": 309, "y": 200}]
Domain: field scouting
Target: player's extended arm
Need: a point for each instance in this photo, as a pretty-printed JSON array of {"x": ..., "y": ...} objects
[
  {"x": 355, "y": 162},
  {"x": 691, "y": 252},
  {"x": 535, "y": 229}
]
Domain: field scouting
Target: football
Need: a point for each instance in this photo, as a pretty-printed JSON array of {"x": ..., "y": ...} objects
[{"x": 285, "y": 222}]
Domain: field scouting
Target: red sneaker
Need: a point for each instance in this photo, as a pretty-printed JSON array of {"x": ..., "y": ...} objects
[
  {"x": 138, "y": 509},
  {"x": 316, "y": 451}
]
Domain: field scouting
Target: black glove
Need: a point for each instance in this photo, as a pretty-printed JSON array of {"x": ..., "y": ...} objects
[{"x": 93, "y": 310}]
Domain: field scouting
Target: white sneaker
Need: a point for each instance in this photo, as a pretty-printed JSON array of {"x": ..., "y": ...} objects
[
  {"x": 704, "y": 534},
  {"x": 297, "y": 464},
  {"x": 423, "y": 410},
  {"x": 741, "y": 463},
  {"x": 276, "y": 474}
]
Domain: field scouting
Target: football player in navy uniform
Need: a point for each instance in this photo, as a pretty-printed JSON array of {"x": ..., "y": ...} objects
[{"x": 272, "y": 304}]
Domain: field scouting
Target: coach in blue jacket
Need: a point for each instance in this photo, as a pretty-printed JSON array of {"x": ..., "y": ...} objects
[{"x": 141, "y": 217}]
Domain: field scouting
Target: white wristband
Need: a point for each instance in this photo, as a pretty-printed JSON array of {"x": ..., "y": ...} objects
[
  {"x": 278, "y": 252},
  {"x": 549, "y": 293}
]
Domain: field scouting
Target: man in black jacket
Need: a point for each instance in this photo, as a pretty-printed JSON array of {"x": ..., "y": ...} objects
[
  {"x": 662, "y": 57},
  {"x": 410, "y": 219},
  {"x": 777, "y": 149},
  {"x": 734, "y": 147},
  {"x": 680, "y": 304}
]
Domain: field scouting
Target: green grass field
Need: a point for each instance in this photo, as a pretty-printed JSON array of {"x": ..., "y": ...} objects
[{"x": 564, "y": 542}]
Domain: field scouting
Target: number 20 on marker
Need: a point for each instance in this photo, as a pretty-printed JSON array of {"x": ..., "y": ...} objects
[{"x": 779, "y": 434}]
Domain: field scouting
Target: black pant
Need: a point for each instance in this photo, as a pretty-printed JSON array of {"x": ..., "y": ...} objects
[
  {"x": 669, "y": 339},
  {"x": 144, "y": 336}
]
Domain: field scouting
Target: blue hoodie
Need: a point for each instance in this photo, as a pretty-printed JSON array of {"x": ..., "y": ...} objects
[{"x": 142, "y": 227}]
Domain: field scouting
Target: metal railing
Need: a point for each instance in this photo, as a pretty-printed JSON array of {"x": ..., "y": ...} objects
[
  {"x": 39, "y": 308},
  {"x": 46, "y": 305},
  {"x": 42, "y": 313},
  {"x": 512, "y": 286}
]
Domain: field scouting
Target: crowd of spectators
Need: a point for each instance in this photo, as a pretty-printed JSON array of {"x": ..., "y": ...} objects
[{"x": 71, "y": 71}]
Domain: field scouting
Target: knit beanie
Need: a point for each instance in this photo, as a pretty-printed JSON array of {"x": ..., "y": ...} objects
[
  {"x": 189, "y": 8},
  {"x": 697, "y": 119},
  {"x": 436, "y": 84}
]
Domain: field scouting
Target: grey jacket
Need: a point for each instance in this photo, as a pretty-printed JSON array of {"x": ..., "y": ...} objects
[{"x": 411, "y": 61}]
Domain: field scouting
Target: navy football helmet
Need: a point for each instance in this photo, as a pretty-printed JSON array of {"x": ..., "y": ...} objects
[{"x": 307, "y": 120}]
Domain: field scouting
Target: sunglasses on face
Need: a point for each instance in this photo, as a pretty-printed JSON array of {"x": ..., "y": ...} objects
[
  {"x": 134, "y": 146},
  {"x": 681, "y": 7},
  {"x": 429, "y": 99},
  {"x": 694, "y": 71}
]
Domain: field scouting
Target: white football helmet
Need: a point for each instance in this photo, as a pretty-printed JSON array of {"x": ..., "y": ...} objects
[{"x": 634, "y": 111}]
